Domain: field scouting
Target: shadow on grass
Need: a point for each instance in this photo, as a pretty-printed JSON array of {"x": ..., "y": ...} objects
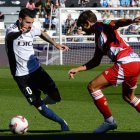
[
  {"x": 71, "y": 135},
  {"x": 44, "y": 131},
  {"x": 4, "y": 130}
]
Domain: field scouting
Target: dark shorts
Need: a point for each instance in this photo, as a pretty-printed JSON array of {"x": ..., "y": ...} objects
[{"x": 33, "y": 84}]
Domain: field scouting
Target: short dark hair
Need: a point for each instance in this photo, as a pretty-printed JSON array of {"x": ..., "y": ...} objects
[
  {"x": 27, "y": 12},
  {"x": 86, "y": 15}
]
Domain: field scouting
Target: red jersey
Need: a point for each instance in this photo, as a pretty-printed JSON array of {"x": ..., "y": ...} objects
[{"x": 111, "y": 43}]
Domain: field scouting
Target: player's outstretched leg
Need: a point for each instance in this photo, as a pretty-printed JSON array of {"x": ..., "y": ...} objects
[
  {"x": 48, "y": 113},
  {"x": 101, "y": 103},
  {"x": 47, "y": 100}
]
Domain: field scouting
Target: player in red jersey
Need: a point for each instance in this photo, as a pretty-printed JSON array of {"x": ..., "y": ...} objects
[{"x": 125, "y": 70}]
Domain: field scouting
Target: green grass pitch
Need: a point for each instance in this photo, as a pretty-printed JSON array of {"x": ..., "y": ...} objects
[{"x": 76, "y": 106}]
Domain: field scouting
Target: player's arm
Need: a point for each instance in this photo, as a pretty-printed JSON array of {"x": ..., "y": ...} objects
[
  {"x": 13, "y": 35},
  {"x": 47, "y": 38},
  {"x": 95, "y": 61},
  {"x": 125, "y": 22}
]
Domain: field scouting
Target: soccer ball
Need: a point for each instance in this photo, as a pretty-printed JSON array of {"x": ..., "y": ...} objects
[{"x": 18, "y": 125}]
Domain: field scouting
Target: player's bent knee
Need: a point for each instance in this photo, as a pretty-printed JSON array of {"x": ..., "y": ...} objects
[
  {"x": 54, "y": 94},
  {"x": 57, "y": 99},
  {"x": 90, "y": 87},
  {"x": 126, "y": 98}
]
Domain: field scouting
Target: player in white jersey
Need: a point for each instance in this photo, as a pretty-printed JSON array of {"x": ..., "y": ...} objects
[
  {"x": 125, "y": 70},
  {"x": 26, "y": 69}
]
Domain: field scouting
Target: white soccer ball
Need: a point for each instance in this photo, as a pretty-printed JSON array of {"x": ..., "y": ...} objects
[{"x": 18, "y": 125}]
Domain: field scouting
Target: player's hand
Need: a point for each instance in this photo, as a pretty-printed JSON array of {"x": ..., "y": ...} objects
[
  {"x": 137, "y": 19},
  {"x": 72, "y": 72},
  {"x": 62, "y": 47},
  {"x": 24, "y": 29}
]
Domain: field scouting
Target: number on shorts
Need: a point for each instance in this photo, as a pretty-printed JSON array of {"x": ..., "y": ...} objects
[{"x": 29, "y": 90}]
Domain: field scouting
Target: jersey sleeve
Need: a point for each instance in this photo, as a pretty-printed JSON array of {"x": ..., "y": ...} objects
[
  {"x": 12, "y": 28},
  {"x": 110, "y": 23}
]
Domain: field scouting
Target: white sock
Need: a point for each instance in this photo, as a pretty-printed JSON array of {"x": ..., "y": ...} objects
[{"x": 110, "y": 119}]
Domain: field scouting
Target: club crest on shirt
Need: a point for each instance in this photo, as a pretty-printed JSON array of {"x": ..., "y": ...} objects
[
  {"x": 107, "y": 21},
  {"x": 106, "y": 72}
]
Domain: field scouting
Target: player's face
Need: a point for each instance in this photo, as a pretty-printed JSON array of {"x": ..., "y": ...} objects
[
  {"x": 87, "y": 27},
  {"x": 26, "y": 22}
]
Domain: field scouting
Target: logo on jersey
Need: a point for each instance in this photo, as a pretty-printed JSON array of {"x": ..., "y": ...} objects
[
  {"x": 107, "y": 21},
  {"x": 29, "y": 43},
  {"x": 106, "y": 72},
  {"x": 20, "y": 37}
]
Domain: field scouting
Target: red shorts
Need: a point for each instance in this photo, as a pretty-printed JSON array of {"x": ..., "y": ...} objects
[{"x": 123, "y": 73}]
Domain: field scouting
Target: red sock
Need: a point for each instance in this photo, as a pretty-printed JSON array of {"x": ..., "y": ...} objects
[
  {"x": 135, "y": 102},
  {"x": 101, "y": 103}
]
